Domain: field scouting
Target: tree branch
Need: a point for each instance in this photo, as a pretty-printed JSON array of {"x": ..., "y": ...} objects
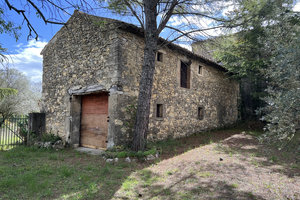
[
  {"x": 189, "y": 32},
  {"x": 29, "y": 25},
  {"x": 22, "y": 12},
  {"x": 167, "y": 16},
  {"x": 134, "y": 14},
  {"x": 60, "y": 8},
  {"x": 203, "y": 15},
  {"x": 42, "y": 15}
]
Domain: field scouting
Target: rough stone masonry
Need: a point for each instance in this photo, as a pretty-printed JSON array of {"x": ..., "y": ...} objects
[{"x": 92, "y": 54}]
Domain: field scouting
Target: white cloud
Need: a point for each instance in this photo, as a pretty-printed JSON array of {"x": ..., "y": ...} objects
[
  {"x": 220, "y": 8},
  {"x": 205, "y": 24},
  {"x": 296, "y": 7},
  {"x": 28, "y": 59}
]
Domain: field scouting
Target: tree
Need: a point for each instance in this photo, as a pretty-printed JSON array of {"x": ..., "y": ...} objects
[
  {"x": 9, "y": 28},
  {"x": 6, "y": 27},
  {"x": 267, "y": 49},
  {"x": 282, "y": 111},
  {"x": 153, "y": 17},
  {"x": 22, "y": 100}
]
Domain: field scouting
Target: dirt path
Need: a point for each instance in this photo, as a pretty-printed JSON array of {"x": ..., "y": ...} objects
[{"x": 235, "y": 168}]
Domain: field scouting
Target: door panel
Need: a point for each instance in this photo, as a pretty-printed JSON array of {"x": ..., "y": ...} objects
[{"x": 94, "y": 117}]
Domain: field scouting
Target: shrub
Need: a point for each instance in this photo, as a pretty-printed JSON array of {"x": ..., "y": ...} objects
[{"x": 50, "y": 137}]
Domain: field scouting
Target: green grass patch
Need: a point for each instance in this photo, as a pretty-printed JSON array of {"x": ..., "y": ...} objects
[
  {"x": 31, "y": 173},
  {"x": 234, "y": 185},
  {"x": 123, "y": 153},
  {"x": 204, "y": 174}
]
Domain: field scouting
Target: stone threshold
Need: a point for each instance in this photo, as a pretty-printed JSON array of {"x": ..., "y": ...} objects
[{"x": 96, "y": 152}]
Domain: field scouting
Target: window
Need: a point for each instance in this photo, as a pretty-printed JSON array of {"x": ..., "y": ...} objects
[
  {"x": 159, "y": 110},
  {"x": 159, "y": 56},
  {"x": 200, "y": 70},
  {"x": 185, "y": 74},
  {"x": 200, "y": 113}
]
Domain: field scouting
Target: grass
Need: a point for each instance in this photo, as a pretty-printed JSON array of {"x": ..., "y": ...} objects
[
  {"x": 30, "y": 173},
  {"x": 204, "y": 174},
  {"x": 179, "y": 146}
]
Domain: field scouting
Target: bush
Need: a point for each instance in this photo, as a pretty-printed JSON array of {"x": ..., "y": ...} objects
[
  {"x": 113, "y": 153},
  {"x": 50, "y": 137}
]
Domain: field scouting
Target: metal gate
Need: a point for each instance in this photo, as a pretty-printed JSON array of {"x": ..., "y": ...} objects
[{"x": 13, "y": 131}]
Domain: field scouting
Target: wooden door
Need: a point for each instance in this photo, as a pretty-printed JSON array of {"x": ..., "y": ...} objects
[{"x": 94, "y": 120}]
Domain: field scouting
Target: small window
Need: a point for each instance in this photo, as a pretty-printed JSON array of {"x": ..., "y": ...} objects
[
  {"x": 159, "y": 110},
  {"x": 200, "y": 70},
  {"x": 185, "y": 74},
  {"x": 159, "y": 56},
  {"x": 200, "y": 113}
]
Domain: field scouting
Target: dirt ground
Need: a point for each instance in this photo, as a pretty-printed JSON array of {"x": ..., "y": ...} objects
[{"x": 236, "y": 167}]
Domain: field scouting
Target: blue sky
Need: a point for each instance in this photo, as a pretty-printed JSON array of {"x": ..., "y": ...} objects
[{"x": 25, "y": 55}]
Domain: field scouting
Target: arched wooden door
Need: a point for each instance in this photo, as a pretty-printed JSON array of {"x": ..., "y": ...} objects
[{"x": 94, "y": 120}]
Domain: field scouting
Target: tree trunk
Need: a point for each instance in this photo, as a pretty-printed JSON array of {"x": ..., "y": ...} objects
[{"x": 145, "y": 88}]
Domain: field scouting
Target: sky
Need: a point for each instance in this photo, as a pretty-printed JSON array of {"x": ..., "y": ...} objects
[{"x": 24, "y": 54}]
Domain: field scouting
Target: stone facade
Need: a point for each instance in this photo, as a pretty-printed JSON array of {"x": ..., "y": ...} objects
[{"x": 91, "y": 54}]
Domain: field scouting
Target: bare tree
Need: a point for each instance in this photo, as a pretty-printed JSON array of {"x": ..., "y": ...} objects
[{"x": 23, "y": 100}]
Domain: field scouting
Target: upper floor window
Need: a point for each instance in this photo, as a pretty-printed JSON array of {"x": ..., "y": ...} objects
[
  {"x": 185, "y": 75},
  {"x": 159, "y": 56},
  {"x": 200, "y": 69}
]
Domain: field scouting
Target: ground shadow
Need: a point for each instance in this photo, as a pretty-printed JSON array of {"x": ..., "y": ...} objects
[
  {"x": 172, "y": 147},
  {"x": 268, "y": 156},
  {"x": 188, "y": 188}
]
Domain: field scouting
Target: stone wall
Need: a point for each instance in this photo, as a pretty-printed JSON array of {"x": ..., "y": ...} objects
[
  {"x": 83, "y": 53},
  {"x": 212, "y": 90}
]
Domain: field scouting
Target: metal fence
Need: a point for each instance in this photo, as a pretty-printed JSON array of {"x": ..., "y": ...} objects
[{"x": 13, "y": 131}]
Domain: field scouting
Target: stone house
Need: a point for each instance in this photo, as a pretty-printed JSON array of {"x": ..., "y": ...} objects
[{"x": 91, "y": 71}]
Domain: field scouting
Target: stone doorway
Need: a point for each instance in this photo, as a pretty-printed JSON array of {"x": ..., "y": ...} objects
[{"x": 94, "y": 120}]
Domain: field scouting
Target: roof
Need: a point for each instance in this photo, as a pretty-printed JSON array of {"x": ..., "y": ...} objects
[{"x": 139, "y": 31}]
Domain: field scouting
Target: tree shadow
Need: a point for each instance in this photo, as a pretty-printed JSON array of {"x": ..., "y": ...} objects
[
  {"x": 284, "y": 162},
  {"x": 172, "y": 147},
  {"x": 216, "y": 179},
  {"x": 188, "y": 187}
]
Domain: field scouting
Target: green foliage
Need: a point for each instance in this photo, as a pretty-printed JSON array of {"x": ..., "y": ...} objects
[
  {"x": 50, "y": 137},
  {"x": 23, "y": 129},
  {"x": 123, "y": 153},
  {"x": 99, "y": 23},
  {"x": 117, "y": 6},
  {"x": 283, "y": 102},
  {"x": 4, "y": 92},
  {"x": 9, "y": 28},
  {"x": 243, "y": 53},
  {"x": 240, "y": 54},
  {"x": 267, "y": 48}
]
